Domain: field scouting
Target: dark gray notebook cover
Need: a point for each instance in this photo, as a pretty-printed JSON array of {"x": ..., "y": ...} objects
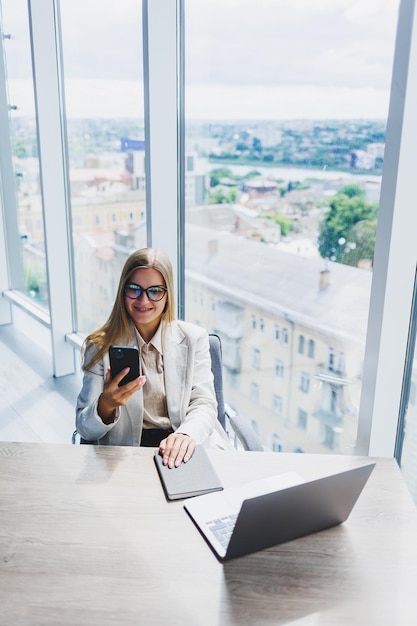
[{"x": 193, "y": 478}]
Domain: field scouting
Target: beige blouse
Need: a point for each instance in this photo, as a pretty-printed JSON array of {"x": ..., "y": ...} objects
[{"x": 155, "y": 413}]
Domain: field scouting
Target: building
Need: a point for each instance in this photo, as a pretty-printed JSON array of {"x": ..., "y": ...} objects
[{"x": 292, "y": 367}]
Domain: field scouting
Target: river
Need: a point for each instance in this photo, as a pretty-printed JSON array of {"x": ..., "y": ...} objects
[{"x": 298, "y": 174}]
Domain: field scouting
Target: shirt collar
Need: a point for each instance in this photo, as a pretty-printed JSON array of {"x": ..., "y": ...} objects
[{"x": 156, "y": 340}]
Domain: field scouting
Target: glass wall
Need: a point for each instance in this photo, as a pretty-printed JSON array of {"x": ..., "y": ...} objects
[
  {"x": 285, "y": 146},
  {"x": 406, "y": 445},
  {"x": 102, "y": 59},
  {"x": 24, "y": 208},
  {"x": 285, "y": 136}
]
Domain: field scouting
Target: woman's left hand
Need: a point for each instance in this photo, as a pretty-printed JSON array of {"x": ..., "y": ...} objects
[{"x": 176, "y": 448}]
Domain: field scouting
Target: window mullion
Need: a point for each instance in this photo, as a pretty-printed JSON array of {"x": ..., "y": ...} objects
[
  {"x": 11, "y": 264},
  {"x": 395, "y": 255},
  {"x": 50, "y": 119},
  {"x": 161, "y": 62}
]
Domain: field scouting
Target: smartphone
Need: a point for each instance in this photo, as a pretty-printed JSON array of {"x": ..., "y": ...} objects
[{"x": 121, "y": 357}]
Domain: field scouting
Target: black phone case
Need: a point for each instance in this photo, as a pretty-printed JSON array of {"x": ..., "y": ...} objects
[{"x": 121, "y": 357}]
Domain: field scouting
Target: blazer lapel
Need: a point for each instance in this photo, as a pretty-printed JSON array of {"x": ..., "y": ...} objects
[{"x": 175, "y": 364}]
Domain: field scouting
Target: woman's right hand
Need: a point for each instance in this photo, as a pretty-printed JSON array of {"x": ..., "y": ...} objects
[{"x": 114, "y": 396}]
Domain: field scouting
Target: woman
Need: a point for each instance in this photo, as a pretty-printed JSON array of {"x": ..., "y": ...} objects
[{"x": 172, "y": 405}]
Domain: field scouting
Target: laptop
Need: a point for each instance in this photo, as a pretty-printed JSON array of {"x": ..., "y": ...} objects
[{"x": 263, "y": 513}]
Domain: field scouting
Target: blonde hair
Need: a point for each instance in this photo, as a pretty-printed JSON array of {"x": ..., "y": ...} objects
[{"x": 118, "y": 327}]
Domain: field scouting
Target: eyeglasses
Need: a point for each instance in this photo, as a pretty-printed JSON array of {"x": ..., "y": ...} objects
[{"x": 154, "y": 293}]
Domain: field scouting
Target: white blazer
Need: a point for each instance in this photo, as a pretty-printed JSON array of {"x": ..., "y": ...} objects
[{"x": 189, "y": 387}]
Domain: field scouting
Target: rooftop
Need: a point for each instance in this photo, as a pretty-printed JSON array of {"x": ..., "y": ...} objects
[{"x": 279, "y": 281}]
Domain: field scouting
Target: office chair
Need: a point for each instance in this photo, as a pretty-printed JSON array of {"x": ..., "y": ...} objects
[
  {"x": 244, "y": 435},
  {"x": 238, "y": 428}
]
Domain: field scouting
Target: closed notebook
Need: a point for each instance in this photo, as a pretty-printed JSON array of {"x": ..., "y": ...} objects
[{"x": 193, "y": 478}]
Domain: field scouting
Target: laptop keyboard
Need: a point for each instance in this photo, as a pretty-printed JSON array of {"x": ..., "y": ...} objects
[{"x": 222, "y": 528}]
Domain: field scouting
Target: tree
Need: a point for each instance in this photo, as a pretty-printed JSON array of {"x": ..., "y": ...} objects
[
  {"x": 347, "y": 209},
  {"x": 222, "y": 196},
  {"x": 218, "y": 196},
  {"x": 232, "y": 195},
  {"x": 256, "y": 145},
  {"x": 282, "y": 220},
  {"x": 218, "y": 173},
  {"x": 360, "y": 243},
  {"x": 352, "y": 191}
]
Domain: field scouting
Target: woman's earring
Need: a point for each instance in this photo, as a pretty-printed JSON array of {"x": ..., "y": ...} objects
[{"x": 165, "y": 307}]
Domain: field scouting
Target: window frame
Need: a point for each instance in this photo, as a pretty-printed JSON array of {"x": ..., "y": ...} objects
[{"x": 395, "y": 252}]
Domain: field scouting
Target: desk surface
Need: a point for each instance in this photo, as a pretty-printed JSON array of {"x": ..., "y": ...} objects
[{"x": 88, "y": 538}]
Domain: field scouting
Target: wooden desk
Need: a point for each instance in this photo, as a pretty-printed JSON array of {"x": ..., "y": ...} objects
[{"x": 88, "y": 538}]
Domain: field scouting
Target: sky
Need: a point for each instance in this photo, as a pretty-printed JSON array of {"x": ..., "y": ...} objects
[{"x": 244, "y": 59}]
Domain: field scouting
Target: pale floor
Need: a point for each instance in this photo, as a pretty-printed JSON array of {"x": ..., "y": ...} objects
[{"x": 34, "y": 406}]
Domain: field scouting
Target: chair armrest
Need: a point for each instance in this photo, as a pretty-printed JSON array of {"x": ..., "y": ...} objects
[
  {"x": 244, "y": 431},
  {"x": 76, "y": 438}
]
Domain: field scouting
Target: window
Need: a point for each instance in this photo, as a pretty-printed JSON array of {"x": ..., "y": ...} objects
[
  {"x": 276, "y": 443},
  {"x": 233, "y": 255},
  {"x": 254, "y": 392},
  {"x": 276, "y": 333},
  {"x": 328, "y": 437},
  {"x": 333, "y": 400},
  {"x": 277, "y": 404},
  {"x": 105, "y": 122},
  {"x": 23, "y": 200},
  {"x": 302, "y": 419},
  {"x": 406, "y": 445},
  {"x": 331, "y": 360},
  {"x": 293, "y": 133},
  {"x": 305, "y": 382},
  {"x": 256, "y": 359},
  {"x": 341, "y": 363},
  {"x": 279, "y": 369},
  {"x": 232, "y": 379}
]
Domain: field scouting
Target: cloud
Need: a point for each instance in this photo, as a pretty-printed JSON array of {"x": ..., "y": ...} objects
[
  {"x": 272, "y": 58},
  {"x": 88, "y": 98},
  {"x": 124, "y": 99},
  {"x": 217, "y": 102},
  {"x": 290, "y": 42}
]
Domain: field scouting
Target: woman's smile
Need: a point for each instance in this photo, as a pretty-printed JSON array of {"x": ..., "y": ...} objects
[{"x": 146, "y": 315}]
